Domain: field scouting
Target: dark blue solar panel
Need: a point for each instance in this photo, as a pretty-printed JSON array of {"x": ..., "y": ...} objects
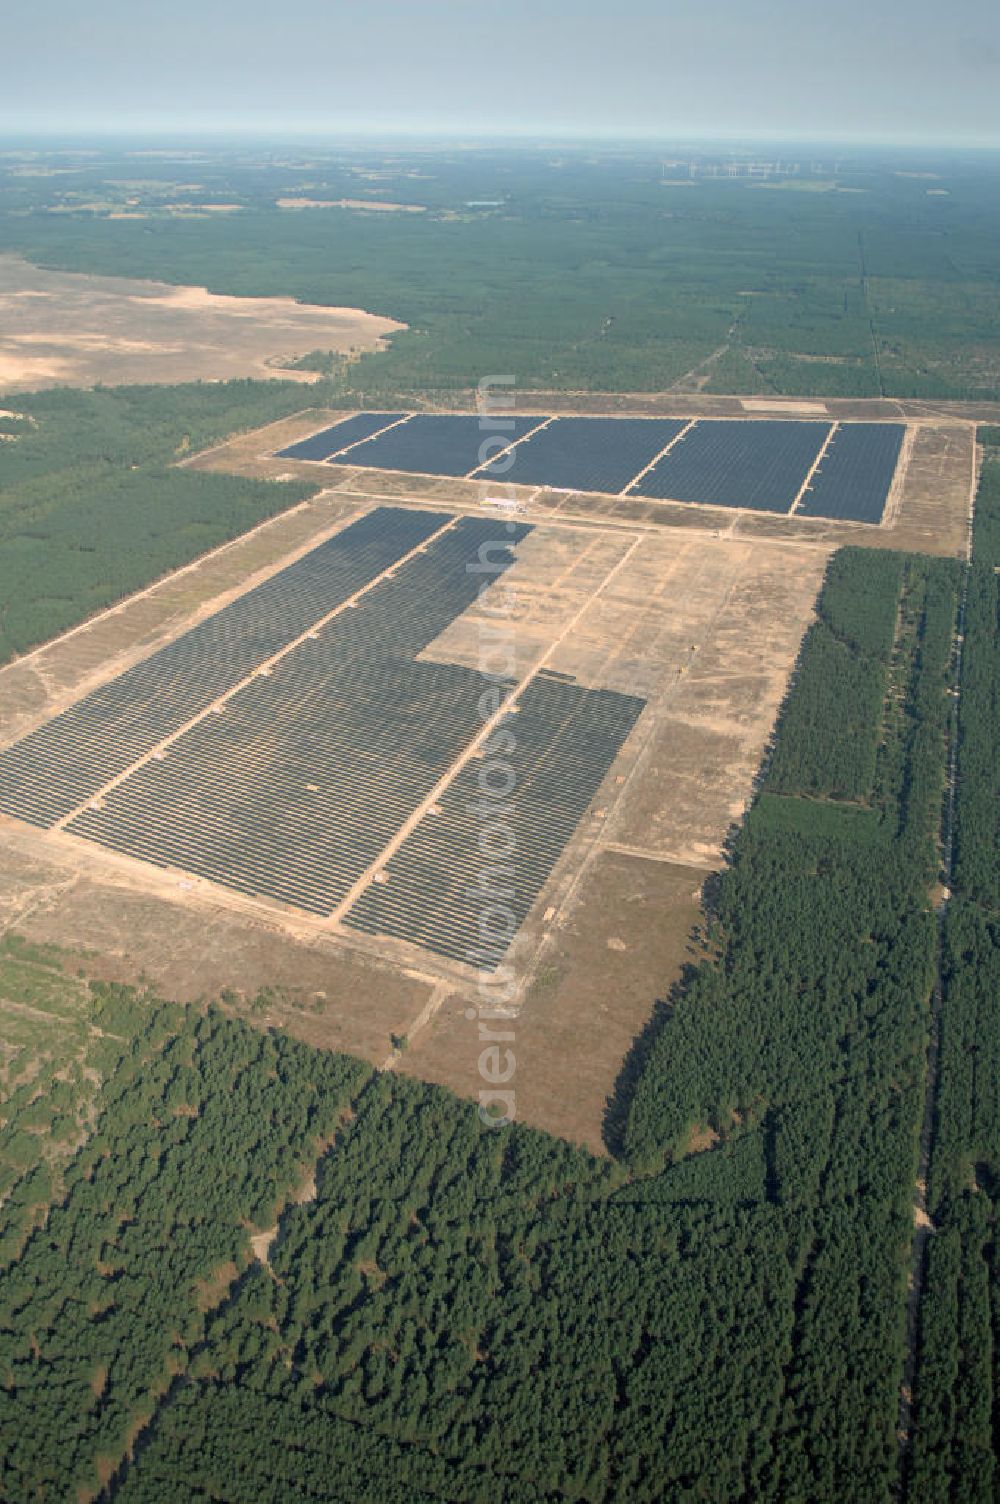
[
  {"x": 320, "y": 446},
  {"x": 756, "y": 464},
  {"x": 66, "y": 760},
  {"x": 296, "y": 786},
  {"x": 442, "y": 443},
  {"x": 587, "y": 454},
  {"x": 440, "y": 890},
  {"x": 855, "y": 474}
]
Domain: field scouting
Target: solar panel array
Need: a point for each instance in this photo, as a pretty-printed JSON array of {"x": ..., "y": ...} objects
[
  {"x": 65, "y": 761},
  {"x": 587, "y": 454},
  {"x": 294, "y": 789},
  {"x": 855, "y": 474},
  {"x": 293, "y": 786},
  {"x": 759, "y": 464},
  {"x": 296, "y": 785},
  {"x": 330, "y": 441},
  {"x": 463, "y": 882},
  {"x": 450, "y": 444}
]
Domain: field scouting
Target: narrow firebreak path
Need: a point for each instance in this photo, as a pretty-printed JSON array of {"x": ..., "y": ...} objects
[
  {"x": 872, "y": 328},
  {"x": 923, "y": 1228},
  {"x": 161, "y": 1393}
]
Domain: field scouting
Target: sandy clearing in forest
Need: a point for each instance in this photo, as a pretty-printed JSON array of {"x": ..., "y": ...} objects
[
  {"x": 67, "y": 328},
  {"x": 350, "y": 203},
  {"x": 28, "y": 372},
  {"x": 704, "y": 627},
  {"x": 704, "y": 623}
]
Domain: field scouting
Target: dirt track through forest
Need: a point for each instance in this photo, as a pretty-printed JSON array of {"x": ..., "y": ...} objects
[{"x": 923, "y": 1228}]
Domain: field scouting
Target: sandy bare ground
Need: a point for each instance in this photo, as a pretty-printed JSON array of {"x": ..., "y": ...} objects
[
  {"x": 68, "y": 329},
  {"x": 676, "y": 404}
]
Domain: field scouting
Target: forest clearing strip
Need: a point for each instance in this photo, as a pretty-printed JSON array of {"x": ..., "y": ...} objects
[
  {"x": 162, "y": 1391},
  {"x": 872, "y": 329},
  {"x": 700, "y": 373},
  {"x": 923, "y": 1228},
  {"x": 430, "y": 1009}
]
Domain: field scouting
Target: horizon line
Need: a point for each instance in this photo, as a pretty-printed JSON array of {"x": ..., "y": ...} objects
[{"x": 332, "y": 134}]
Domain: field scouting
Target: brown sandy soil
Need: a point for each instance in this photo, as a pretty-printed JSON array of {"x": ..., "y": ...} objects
[
  {"x": 783, "y": 406},
  {"x": 935, "y": 508},
  {"x": 698, "y": 377},
  {"x": 616, "y": 950},
  {"x": 320, "y": 992},
  {"x": 65, "y": 328},
  {"x": 724, "y": 648},
  {"x": 700, "y": 1140}
]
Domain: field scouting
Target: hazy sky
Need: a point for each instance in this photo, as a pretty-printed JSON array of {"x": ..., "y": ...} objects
[{"x": 918, "y": 70}]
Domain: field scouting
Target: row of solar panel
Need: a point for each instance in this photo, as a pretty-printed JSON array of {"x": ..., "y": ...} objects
[
  {"x": 54, "y": 769},
  {"x": 292, "y": 792},
  {"x": 855, "y": 475},
  {"x": 296, "y": 783},
  {"x": 463, "y": 882},
  {"x": 758, "y": 464},
  {"x": 450, "y": 444}
]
